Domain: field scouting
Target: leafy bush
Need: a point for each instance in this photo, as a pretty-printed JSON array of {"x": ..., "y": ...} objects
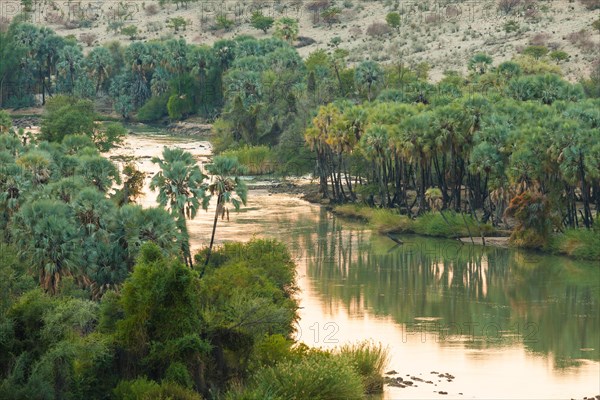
[
  {"x": 144, "y": 389},
  {"x": 179, "y": 106},
  {"x": 369, "y": 361},
  {"x": 154, "y": 109},
  {"x": 177, "y": 23},
  {"x": 559, "y": 55},
  {"x": 536, "y": 52},
  {"x": 393, "y": 20},
  {"x": 258, "y": 159},
  {"x": 317, "y": 376},
  {"x": 222, "y": 22},
  {"x": 129, "y": 30},
  {"x": 261, "y": 22}
]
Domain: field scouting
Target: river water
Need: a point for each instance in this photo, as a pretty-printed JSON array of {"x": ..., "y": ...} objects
[{"x": 506, "y": 324}]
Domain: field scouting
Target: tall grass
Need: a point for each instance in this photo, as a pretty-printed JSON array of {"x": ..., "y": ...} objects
[
  {"x": 317, "y": 376},
  {"x": 369, "y": 361},
  {"x": 448, "y": 225},
  {"x": 259, "y": 160},
  {"x": 578, "y": 243}
]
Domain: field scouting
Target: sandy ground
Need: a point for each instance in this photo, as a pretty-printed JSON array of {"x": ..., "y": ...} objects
[{"x": 445, "y": 36}]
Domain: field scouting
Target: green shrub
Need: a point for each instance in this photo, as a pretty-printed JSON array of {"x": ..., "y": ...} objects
[
  {"x": 393, "y": 20},
  {"x": 222, "y": 22},
  {"x": 129, "y": 30},
  {"x": 179, "y": 106},
  {"x": 536, "y": 52},
  {"x": 369, "y": 361},
  {"x": 179, "y": 374},
  {"x": 450, "y": 224},
  {"x": 271, "y": 350},
  {"x": 154, "y": 109},
  {"x": 559, "y": 55},
  {"x": 578, "y": 243},
  {"x": 261, "y": 22},
  {"x": 144, "y": 389},
  {"x": 258, "y": 159},
  {"x": 318, "y": 376}
]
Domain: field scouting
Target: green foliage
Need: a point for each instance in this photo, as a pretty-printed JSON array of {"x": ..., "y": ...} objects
[
  {"x": 480, "y": 63},
  {"x": 109, "y": 135},
  {"x": 180, "y": 188},
  {"x": 272, "y": 349},
  {"x": 222, "y": 22},
  {"x": 536, "y": 52},
  {"x": 48, "y": 238},
  {"x": 369, "y": 360},
  {"x": 177, "y": 23},
  {"x": 316, "y": 376},
  {"x": 261, "y": 22},
  {"x": 596, "y": 24},
  {"x": 5, "y": 122},
  {"x": 331, "y": 15},
  {"x": 448, "y": 224},
  {"x": 159, "y": 301},
  {"x": 530, "y": 65},
  {"x": 578, "y": 243},
  {"x": 511, "y": 26},
  {"x": 130, "y": 30},
  {"x": 14, "y": 280},
  {"x": 393, "y": 20},
  {"x": 154, "y": 109},
  {"x": 558, "y": 55},
  {"x": 286, "y": 28},
  {"x": 67, "y": 116},
  {"x": 368, "y": 75},
  {"x": 98, "y": 172},
  {"x": 143, "y": 389},
  {"x": 179, "y": 106},
  {"x": 258, "y": 160}
]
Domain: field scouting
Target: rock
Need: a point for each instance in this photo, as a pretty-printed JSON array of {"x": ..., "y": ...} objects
[
  {"x": 442, "y": 392},
  {"x": 434, "y": 372},
  {"x": 392, "y": 372},
  {"x": 409, "y": 383},
  {"x": 430, "y": 382}
]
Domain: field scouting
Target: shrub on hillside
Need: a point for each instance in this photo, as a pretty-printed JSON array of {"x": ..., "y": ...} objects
[{"x": 378, "y": 29}]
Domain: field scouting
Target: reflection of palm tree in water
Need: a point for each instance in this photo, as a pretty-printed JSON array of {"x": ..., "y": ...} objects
[{"x": 488, "y": 287}]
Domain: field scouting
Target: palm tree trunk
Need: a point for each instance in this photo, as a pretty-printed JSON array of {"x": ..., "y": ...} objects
[
  {"x": 185, "y": 244},
  {"x": 212, "y": 237}
]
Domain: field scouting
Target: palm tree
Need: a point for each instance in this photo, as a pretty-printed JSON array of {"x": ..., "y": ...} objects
[
  {"x": 368, "y": 73},
  {"x": 181, "y": 188},
  {"x": 46, "y": 234},
  {"x": 228, "y": 188}
]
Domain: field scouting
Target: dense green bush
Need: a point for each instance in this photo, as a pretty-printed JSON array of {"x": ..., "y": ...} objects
[
  {"x": 154, "y": 109},
  {"x": 317, "y": 376},
  {"x": 369, "y": 360},
  {"x": 578, "y": 243},
  {"x": 257, "y": 159}
]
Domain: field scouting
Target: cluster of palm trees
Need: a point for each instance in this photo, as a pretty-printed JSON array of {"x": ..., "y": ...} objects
[
  {"x": 478, "y": 152},
  {"x": 182, "y": 189},
  {"x": 57, "y": 209}
]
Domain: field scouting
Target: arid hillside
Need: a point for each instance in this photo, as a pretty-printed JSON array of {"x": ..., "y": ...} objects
[{"x": 444, "y": 34}]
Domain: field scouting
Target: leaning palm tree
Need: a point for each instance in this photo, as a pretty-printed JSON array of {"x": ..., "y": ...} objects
[
  {"x": 181, "y": 189},
  {"x": 228, "y": 188}
]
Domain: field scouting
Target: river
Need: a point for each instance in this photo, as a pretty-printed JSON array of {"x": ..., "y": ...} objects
[{"x": 506, "y": 324}]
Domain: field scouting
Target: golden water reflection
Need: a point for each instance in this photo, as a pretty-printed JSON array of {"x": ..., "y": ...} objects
[{"x": 506, "y": 324}]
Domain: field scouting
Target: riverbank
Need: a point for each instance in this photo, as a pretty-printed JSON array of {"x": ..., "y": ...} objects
[{"x": 576, "y": 243}]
